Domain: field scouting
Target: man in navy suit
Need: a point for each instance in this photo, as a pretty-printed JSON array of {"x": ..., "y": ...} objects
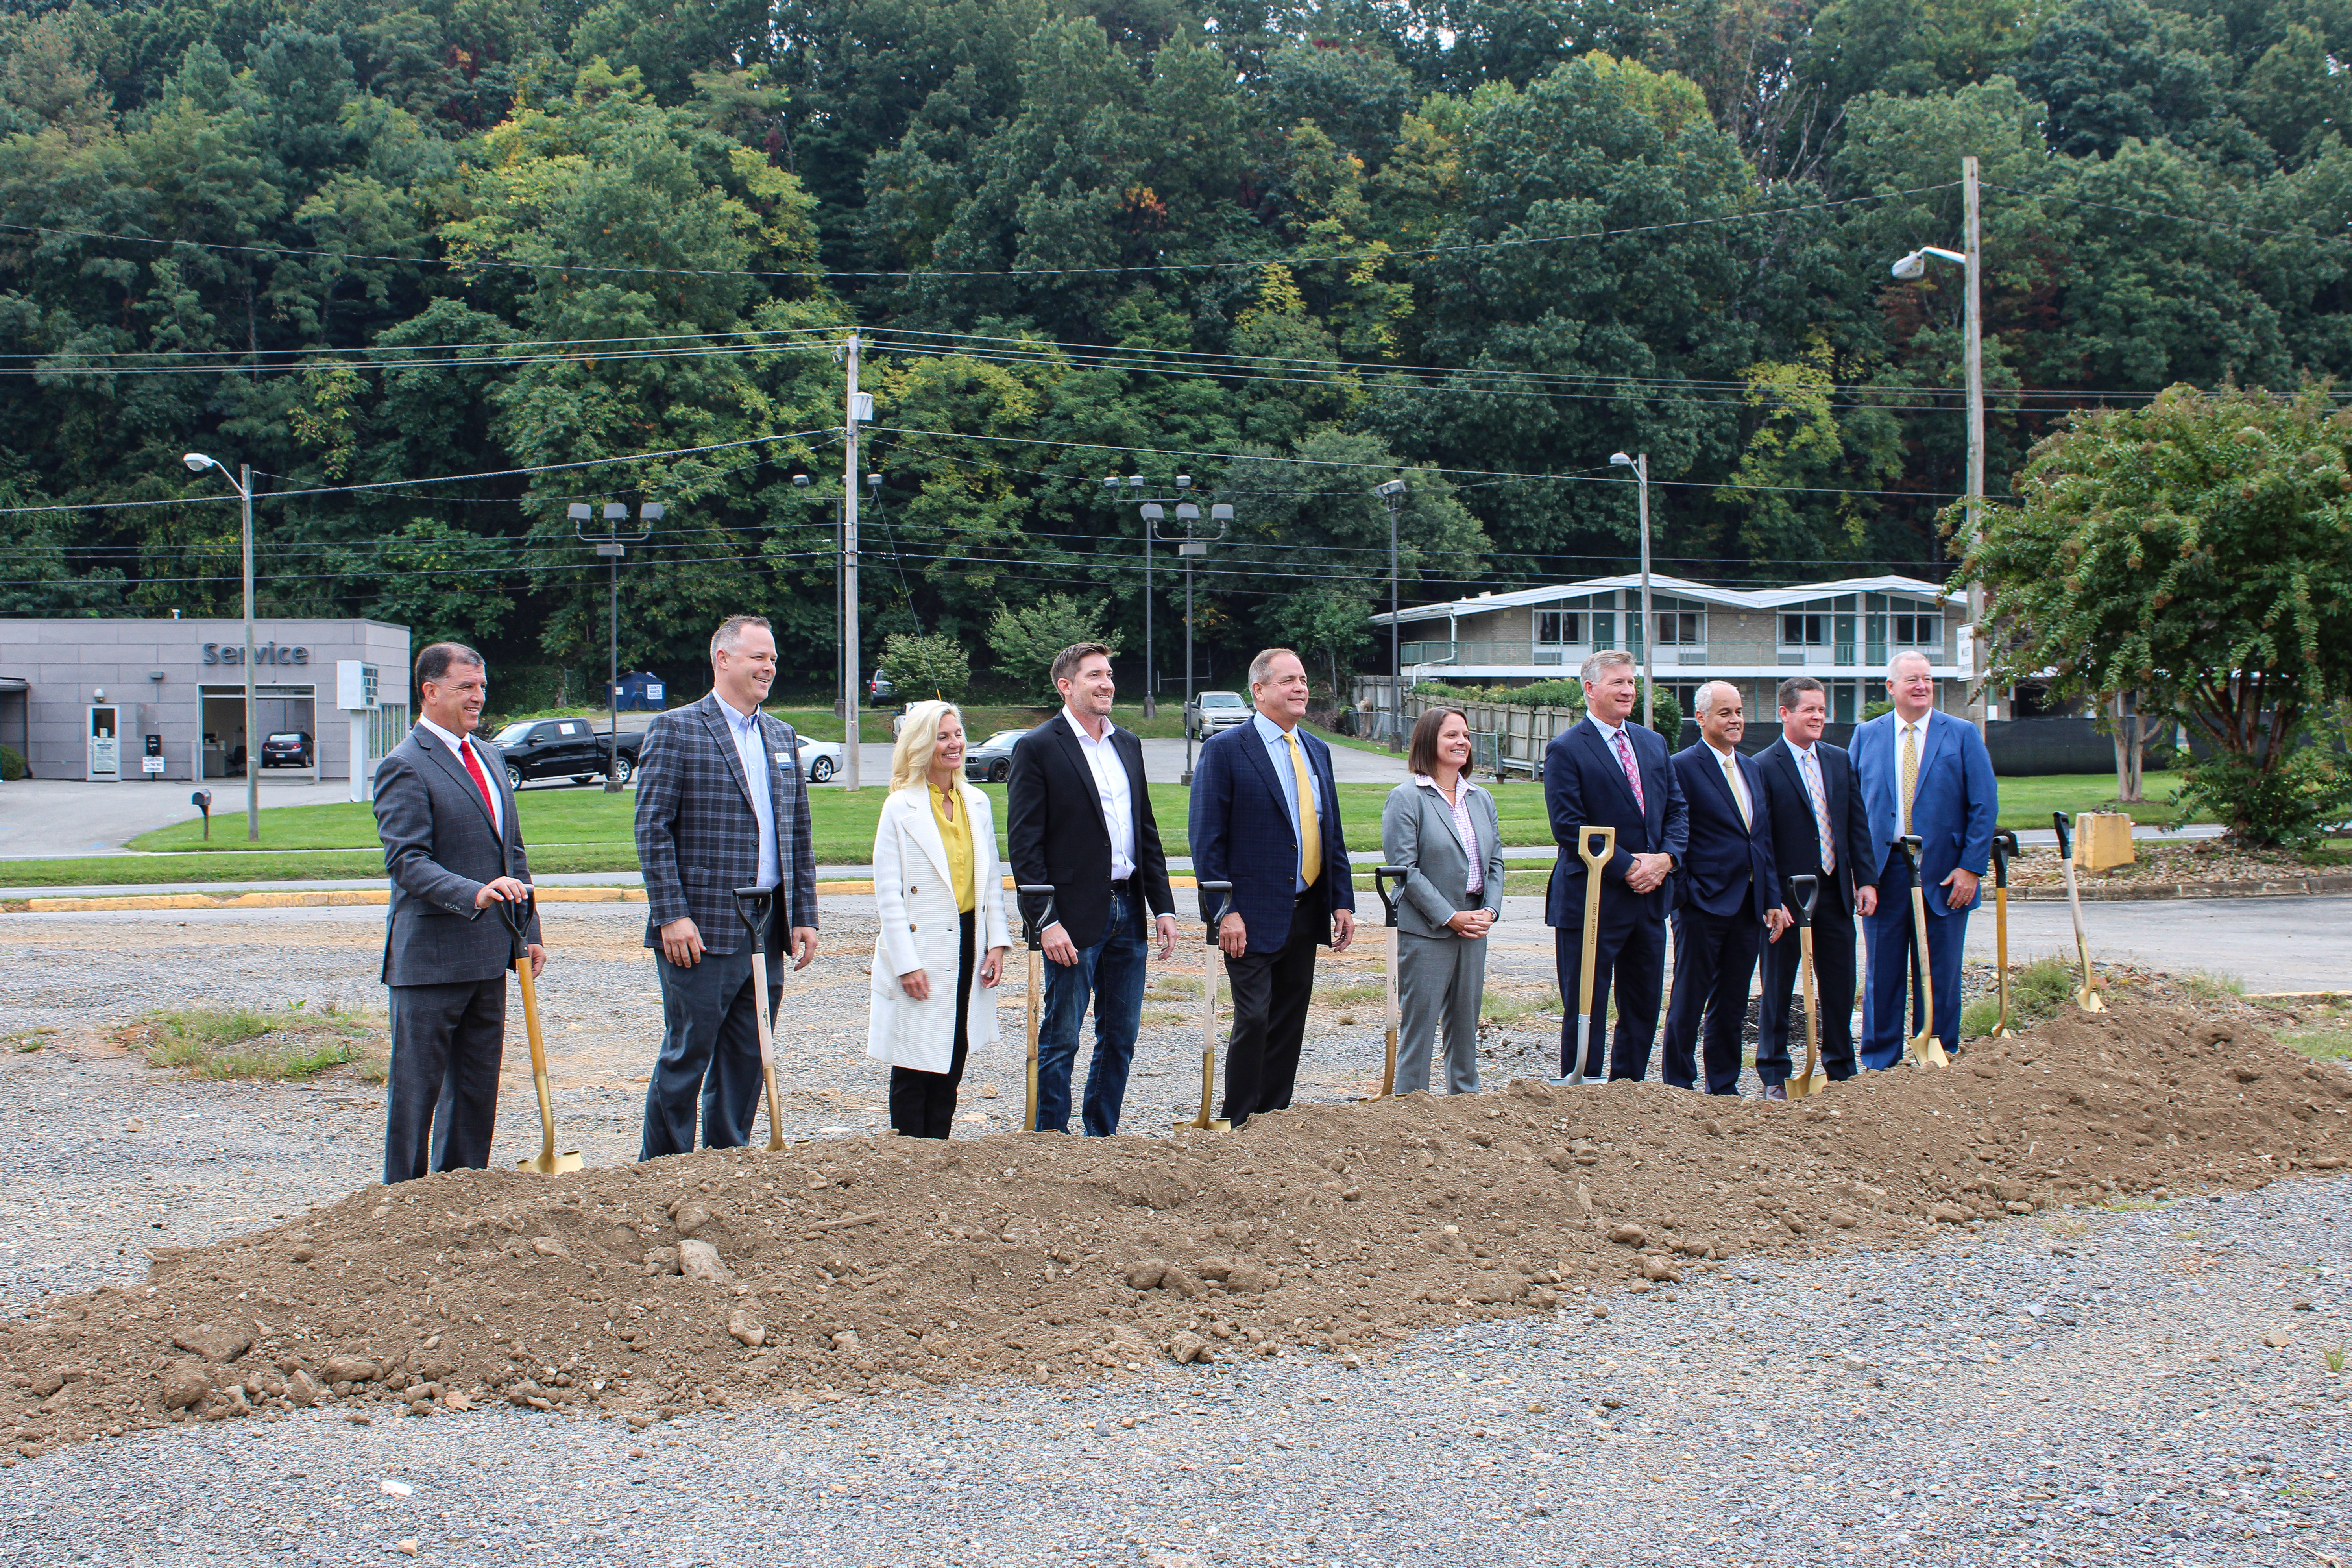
[
  {"x": 1728, "y": 896},
  {"x": 1819, "y": 829},
  {"x": 1266, "y": 818},
  {"x": 1926, "y": 772},
  {"x": 1602, "y": 772}
]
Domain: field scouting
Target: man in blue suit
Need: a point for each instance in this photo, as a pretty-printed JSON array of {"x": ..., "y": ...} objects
[
  {"x": 1926, "y": 772},
  {"x": 1266, "y": 818},
  {"x": 1603, "y": 771},
  {"x": 1730, "y": 895}
]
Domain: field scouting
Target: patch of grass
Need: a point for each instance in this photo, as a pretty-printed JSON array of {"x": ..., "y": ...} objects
[
  {"x": 2334, "y": 1357},
  {"x": 2325, "y": 1036},
  {"x": 2028, "y": 801},
  {"x": 2213, "y": 985},
  {"x": 2036, "y": 990},
  {"x": 278, "y": 1043},
  {"x": 1505, "y": 1008},
  {"x": 1351, "y": 995}
]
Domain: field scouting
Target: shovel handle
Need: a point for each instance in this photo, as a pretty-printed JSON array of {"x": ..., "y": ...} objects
[
  {"x": 1381, "y": 879},
  {"x": 757, "y": 907},
  {"x": 1033, "y": 926},
  {"x": 515, "y": 913},
  {"x": 1210, "y": 912},
  {"x": 1804, "y": 894},
  {"x": 2058, "y": 820},
  {"x": 2005, "y": 850}
]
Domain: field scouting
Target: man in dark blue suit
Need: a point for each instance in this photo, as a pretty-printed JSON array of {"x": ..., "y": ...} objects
[
  {"x": 1819, "y": 829},
  {"x": 1926, "y": 772},
  {"x": 1602, "y": 772},
  {"x": 1266, "y": 818},
  {"x": 1727, "y": 895}
]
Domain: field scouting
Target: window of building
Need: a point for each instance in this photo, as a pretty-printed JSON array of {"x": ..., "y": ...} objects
[
  {"x": 1918, "y": 631},
  {"x": 1558, "y": 628},
  {"x": 1803, "y": 631},
  {"x": 1681, "y": 626}
]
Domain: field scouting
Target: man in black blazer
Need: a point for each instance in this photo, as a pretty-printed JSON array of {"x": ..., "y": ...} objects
[
  {"x": 453, "y": 849},
  {"x": 1729, "y": 897},
  {"x": 721, "y": 806},
  {"x": 1078, "y": 816},
  {"x": 1605, "y": 772},
  {"x": 1820, "y": 827}
]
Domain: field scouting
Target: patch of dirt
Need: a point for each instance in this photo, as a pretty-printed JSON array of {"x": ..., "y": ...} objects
[
  {"x": 874, "y": 1263},
  {"x": 2207, "y": 861}
]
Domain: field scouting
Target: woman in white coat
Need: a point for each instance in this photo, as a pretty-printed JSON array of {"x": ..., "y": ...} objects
[{"x": 939, "y": 892}]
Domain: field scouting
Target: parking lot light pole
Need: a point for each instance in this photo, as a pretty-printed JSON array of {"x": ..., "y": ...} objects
[
  {"x": 612, "y": 544},
  {"x": 1640, "y": 464},
  {"x": 1153, "y": 510},
  {"x": 197, "y": 463},
  {"x": 1191, "y": 544}
]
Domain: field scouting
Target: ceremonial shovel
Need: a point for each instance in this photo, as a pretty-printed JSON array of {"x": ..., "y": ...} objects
[
  {"x": 1033, "y": 931},
  {"x": 516, "y": 913},
  {"x": 757, "y": 908},
  {"x": 2004, "y": 844},
  {"x": 1586, "y": 1025},
  {"x": 1382, "y": 876},
  {"x": 2085, "y": 998},
  {"x": 1922, "y": 1047},
  {"x": 1204, "y": 1121},
  {"x": 1804, "y": 892}
]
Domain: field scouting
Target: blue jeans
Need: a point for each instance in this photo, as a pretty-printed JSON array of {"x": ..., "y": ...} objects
[{"x": 1110, "y": 975}]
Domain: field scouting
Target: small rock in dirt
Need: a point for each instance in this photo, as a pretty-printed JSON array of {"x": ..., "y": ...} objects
[
  {"x": 2278, "y": 1339},
  {"x": 213, "y": 1345},
  {"x": 548, "y": 1247},
  {"x": 1659, "y": 1269},
  {"x": 1144, "y": 1273},
  {"x": 301, "y": 1391},
  {"x": 1629, "y": 1236},
  {"x": 350, "y": 1369},
  {"x": 1583, "y": 1201},
  {"x": 701, "y": 1260},
  {"x": 747, "y": 1328},
  {"x": 183, "y": 1384},
  {"x": 1187, "y": 1346},
  {"x": 1844, "y": 1219},
  {"x": 846, "y": 1341},
  {"x": 661, "y": 1260},
  {"x": 1949, "y": 1214},
  {"x": 691, "y": 1218}
]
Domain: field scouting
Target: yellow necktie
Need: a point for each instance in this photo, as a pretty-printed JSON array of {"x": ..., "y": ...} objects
[
  {"x": 1310, "y": 827},
  {"x": 1731, "y": 783},
  {"x": 1910, "y": 773}
]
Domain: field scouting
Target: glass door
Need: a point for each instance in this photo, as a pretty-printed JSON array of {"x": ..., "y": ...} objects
[{"x": 105, "y": 742}]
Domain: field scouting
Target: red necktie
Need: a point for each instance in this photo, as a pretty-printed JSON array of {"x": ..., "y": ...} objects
[
  {"x": 482, "y": 781},
  {"x": 1632, "y": 773}
]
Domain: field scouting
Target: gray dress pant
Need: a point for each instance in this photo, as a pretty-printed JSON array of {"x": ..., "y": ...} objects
[
  {"x": 1440, "y": 981},
  {"x": 709, "y": 1057},
  {"x": 441, "y": 1096}
]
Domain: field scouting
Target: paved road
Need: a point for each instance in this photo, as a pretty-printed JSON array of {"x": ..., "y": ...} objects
[{"x": 45, "y": 818}]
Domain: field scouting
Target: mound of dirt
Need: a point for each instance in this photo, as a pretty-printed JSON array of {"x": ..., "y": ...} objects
[{"x": 884, "y": 1264}]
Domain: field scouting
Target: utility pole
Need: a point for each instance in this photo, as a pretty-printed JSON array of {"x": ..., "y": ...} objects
[
  {"x": 849, "y": 659},
  {"x": 1973, "y": 242},
  {"x": 1640, "y": 464},
  {"x": 1189, "y": 544},
  {"x": 1392, "y": 492},
  {"x": 612, "y": 544},
  {"x": 252, "y": 707}
]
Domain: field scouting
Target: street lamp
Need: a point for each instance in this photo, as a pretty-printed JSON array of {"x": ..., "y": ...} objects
[
  {"x": 1392, "y": 493},
  {"x": 197, "y": 463},
  {"x": 1152, "y": 513},
  {"x": 1910, "y": 269},
  {"x": 612, "y": 543},
  {"x": 1189, "y": 544},
  {"x": 1640, "y": 467}
]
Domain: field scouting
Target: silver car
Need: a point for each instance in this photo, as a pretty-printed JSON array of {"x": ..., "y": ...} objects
[{"x": 1213, "y": 710}]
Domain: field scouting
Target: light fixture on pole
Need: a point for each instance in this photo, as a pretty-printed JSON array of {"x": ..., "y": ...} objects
[
  {"x": 1392, "y": 492},
  {"x": 1910, "y": 269},
  {"x": 1640, "y": 467},
  {"x": 612, "y": 543},
  {"x": 1191, "y": 544},
  {"x": 197, "y": 463},
  {"x": 874, "y": 486},
  {"x": 1152, "y": 512}
]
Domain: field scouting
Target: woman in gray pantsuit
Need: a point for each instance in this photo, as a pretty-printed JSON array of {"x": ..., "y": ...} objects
[{"x": 1445, "y": 831}]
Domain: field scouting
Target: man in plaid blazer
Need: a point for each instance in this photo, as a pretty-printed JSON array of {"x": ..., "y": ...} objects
[{"x": 721, "y": 806}]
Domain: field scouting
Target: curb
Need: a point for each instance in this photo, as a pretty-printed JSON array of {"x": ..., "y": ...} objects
[
  {"x": 2159, "y": 892},
  {"x": 348, "y": 897}
]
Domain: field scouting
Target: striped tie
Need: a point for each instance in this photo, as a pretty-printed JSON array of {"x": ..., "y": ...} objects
[
  {"x": 1632, "y": 773},
  {"x": 1821, "y": 811},
  {"x": 1910, "y": 773}
]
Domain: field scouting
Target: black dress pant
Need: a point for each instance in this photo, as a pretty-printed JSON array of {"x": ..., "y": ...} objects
[
  {"x": 1630, "y": 954},
  {"x": 441, "y": 1096},
  {"x": 1715, "y": 958},
  {"x": 1780, "y": 1037},
  {"x": 709, "y": 1052},
  {"x": 1271, "y": 990},
  {"x": 922, "y": 1104}
]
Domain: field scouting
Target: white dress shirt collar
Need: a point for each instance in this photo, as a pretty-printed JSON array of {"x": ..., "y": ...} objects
[{"x": 458, "y": 749}]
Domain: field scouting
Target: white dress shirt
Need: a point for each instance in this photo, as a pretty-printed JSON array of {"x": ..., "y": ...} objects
[
  {"x": 481, "y": 755},
  {"x": 1730, "y": 762},
  {"x": 751, "y": 751},
  {"x": 1112, "y": 792}
]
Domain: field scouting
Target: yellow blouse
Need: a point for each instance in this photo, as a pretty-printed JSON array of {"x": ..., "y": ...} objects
[{"x": 957, "y": 836}]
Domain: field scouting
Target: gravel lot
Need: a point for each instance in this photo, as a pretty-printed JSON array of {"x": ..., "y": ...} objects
[{"x": 2071, "y": 1389}]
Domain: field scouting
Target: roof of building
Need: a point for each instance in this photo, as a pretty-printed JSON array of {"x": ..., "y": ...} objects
[{"x": 1676, "y": 587}]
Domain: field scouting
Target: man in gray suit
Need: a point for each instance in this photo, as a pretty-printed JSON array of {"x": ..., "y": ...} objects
[
  {"x": 721, "y": 806},
  {"x": 453, "y": 848}
]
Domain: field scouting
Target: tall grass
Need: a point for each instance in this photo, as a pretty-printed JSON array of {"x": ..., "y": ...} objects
[{"x": 278, "y": 1043}]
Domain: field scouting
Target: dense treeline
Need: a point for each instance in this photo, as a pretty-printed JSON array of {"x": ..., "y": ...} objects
[{"x": 1482, "y": 244}]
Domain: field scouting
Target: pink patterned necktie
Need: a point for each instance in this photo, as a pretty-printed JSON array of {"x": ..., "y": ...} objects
[{"x": 1632, "y": 773}]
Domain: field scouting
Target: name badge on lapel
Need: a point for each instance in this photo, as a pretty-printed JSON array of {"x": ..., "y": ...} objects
[{"x": 784, "y": 759}]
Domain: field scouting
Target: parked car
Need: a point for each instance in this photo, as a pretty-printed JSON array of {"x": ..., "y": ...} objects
[
  {"x": 565, "y": 748},
  {"x": 879, "y": 688},
  {"x": 1213, "y": 710},
  {"x": 820, "y": 760},
  {"x": 991, "y": 761},
  {"x": 286, "y": 749}
]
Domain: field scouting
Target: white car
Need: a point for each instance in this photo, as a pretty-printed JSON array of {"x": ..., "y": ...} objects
[
  {"x": 820, "y": 760},
  {"x": 1212, "y": 711}
]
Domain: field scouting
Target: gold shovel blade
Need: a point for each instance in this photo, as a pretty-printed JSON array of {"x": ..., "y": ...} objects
[{"x": 552, "y": 1164}]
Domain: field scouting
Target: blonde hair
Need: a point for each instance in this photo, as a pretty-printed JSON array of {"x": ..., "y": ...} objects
[{"x": 919, "y": 738}]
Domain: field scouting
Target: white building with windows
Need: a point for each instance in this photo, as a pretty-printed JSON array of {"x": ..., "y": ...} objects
[{"x": 1842, "y": 633}]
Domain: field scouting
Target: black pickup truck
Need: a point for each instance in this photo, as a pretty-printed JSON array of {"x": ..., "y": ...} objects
[{"x": 576, "y": 749}]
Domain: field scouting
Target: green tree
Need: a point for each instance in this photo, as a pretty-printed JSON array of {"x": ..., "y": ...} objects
[
  {"x": 922, "y": 667},
  {"x": 2198, "y": 551},
  {"x": 1026, "y": 640}
]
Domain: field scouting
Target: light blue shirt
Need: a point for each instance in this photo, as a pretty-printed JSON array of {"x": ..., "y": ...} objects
[
  {"x": 751, "y": 751},
  {"x": 1278, "y": 752}
]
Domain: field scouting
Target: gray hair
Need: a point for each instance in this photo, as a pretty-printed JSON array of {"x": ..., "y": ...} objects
[
  {"x": 1604, "y": 660},
  {"x": 435, "y": 663},
  {"x": 1261, "y": 668},
  {"x": 730, "y": 632},
  {"x": 1894, "y": 664},
  {"x": 1699, "y": 700}
]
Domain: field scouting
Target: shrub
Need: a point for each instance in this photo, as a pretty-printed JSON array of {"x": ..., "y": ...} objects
[
  {"x": 2294, "y": 802},
  {"x": 1026, "y": 640},
  {"x": 12, "y": 764},
  {"x": 925, "y": 668}
]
